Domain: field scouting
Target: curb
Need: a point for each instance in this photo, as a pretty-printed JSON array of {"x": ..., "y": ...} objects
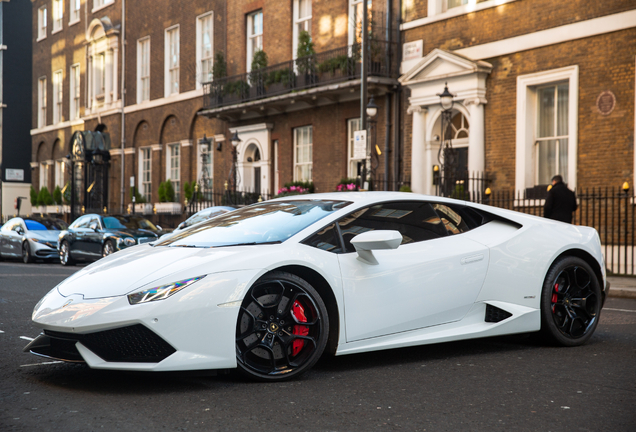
[{"x": 628, "y": 293}]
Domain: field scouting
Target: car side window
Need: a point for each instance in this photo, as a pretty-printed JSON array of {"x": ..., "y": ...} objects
[
  {"x": 81, "y": 222},
  {"x": 415, "y": 220},
  {"x": 452, "y": 220},
  {"x": 94, "y": 220},
  {"x": 325, "y": 239},
  {"x": 9, "y": 225}
]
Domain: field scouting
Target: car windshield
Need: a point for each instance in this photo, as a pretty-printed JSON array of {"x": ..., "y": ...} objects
[
  {"x": 45, "y": 224},
  {"x": 203, "y": 215},
  {"x": 128, "y": 222},
  {"x": 269, "y": 222}
]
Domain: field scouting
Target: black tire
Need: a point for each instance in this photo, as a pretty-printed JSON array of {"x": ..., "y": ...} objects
[
  {"x": 570, "y": 302},
  {"x": 108, "y": 248},
  {"x": 282, "y": 328},
  {"x": 65, "y": 254},
  {"x": 27, "y": 257}
]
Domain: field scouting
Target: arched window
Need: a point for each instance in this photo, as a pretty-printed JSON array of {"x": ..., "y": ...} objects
[{"x": 458, "y": 127}]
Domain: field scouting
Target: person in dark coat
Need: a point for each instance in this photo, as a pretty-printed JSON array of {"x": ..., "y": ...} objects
[{"x": 561, "y": 201}]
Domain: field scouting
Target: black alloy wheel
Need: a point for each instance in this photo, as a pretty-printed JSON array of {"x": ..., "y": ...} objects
[
  {"x": 570, "y": 303},
  {"x": 26, "y": 252},
  {"x": 108, "y": 248},
  {"x": 65, "y": 254},
  {"x": 282, "y": 328}
]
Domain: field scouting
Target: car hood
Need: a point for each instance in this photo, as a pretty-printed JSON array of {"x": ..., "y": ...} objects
[
  {"x": 48, "y": 235},
  {"x": 136, "y": 267}
]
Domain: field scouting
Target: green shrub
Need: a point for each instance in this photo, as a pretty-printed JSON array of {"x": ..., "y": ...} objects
[
  {"x": 139, "y": 198},
  {"x": 405, "y": 188},
  {"x": 189, "y": 190},
  {"x": 66, "y": 194},
  {"x": 166, "y": 191},
  {"x": 34, "y": 196},
  {"x": 219, "y": 70},
  {"x": 305, "y": 54},
  {"x": 44, "y": 197},
  {"x": 57, "y": 195},
  {"x": 259, "y": 60}
]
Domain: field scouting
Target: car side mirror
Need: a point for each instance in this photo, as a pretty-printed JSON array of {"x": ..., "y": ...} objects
[
  {"x": 369, "y": 241},
  {"x": 159, "y": 227},
  {"x": 93, "y": 226},
  {"x": 181, "y": 225},
  {"x": 19, "y": 230}
]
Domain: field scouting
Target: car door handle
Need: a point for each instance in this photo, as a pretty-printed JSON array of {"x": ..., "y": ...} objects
[{"x": 472, "y": 259}]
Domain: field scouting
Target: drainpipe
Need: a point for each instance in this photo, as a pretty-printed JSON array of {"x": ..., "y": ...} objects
[
  {"x": 123, "y": 99},
  {"x": 397, "y": 102},
  {"x": 387, "y": 103}
]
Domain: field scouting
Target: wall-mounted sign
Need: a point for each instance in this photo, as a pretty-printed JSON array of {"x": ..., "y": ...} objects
[
  {"x": 360, "y": 144},
  {"x": 14, "y": 174},
  {"x": 412, "y": 50},
  {"x": 606, "y": 102}
]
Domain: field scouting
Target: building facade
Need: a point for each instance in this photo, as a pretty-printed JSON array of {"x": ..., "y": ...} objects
[
  {"x": 539, "y": 90},
  {"x": 15, "y": 106}
]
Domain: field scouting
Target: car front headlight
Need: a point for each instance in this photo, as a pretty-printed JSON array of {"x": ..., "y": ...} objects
[
  {"x": 161, "y": 292},
  {"x": 44, "y": 242},
  {"x": 128, "y": 241}
]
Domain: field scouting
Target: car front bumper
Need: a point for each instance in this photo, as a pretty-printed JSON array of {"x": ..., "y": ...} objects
[{"x": 192, "y": 330}]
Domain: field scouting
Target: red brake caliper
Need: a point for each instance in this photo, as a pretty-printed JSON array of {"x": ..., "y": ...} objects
[
  {"x": 554, "y": 296},
  {"x": 300, "y": 330}
]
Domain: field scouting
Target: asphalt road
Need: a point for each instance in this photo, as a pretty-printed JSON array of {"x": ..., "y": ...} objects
[{"x": 497, "y": 384}]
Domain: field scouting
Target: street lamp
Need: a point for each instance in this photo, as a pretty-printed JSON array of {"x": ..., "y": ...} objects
[
  {"x": 371, "y": 111},
  {"x": 205, "y": 162},
  {"x": 372, "y": 108},
  {"x": 445, "y": 155}
]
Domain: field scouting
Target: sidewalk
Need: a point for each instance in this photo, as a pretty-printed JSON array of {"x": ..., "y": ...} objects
[{"x": 622, "y": 286}]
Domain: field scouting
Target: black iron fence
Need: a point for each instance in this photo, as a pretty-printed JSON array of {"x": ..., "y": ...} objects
[
  {"x": 203, "y": 200},
  {"x": 336, "y": 65},
  {"x": 609, "y": 210}
]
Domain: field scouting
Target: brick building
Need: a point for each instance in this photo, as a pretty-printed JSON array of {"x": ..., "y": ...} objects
[{"x": 541, "y": 89}]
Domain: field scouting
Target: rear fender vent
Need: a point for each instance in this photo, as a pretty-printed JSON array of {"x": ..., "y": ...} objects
[{"x": 494, "y": 314}]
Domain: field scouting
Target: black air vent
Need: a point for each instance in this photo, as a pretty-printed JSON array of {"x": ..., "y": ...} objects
[
  {"x": 135, "y": 343},
  {"x": 494, "y": 314}
]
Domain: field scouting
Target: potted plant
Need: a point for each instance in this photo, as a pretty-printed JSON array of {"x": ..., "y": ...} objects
[
  {"x": 45, "y": 200},
  {"x": 35, "y": 202},
  {"x": 295, "y": 188},
  {"x": 141, "y": 206},
  {"x": 257, "y": 74},
  {"x": 219, "y": 72},
  {"x": 167, "y": 204},
  {"x": 306, "y": 60},
  {"x": 348, "y": 185}
]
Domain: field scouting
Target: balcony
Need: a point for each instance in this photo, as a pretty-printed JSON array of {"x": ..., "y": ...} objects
[{"x": 304, "y": 79}]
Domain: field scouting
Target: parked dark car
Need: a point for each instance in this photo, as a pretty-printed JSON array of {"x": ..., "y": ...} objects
[
  {"x": 30, "y": 238},
  {"x": 93, "y": 236}
]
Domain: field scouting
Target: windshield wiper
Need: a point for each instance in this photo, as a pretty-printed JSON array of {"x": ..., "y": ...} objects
[{"x": 250, "y": 244}]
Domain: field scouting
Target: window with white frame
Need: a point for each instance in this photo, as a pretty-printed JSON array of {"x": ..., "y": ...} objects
[
  {"x": 546, "y": 128},
  {"x": 302, "y": 21},
  {"x": 42, "y": 22},
  {"x": 551, "y": 147},
  {"x": 205, "y": 48},
  {"x": 205, "y": 163},
  {"x": 174, "y": 168},
  {"x": 145, "y": 173},
  {"x": 355, "y": 20},
  {"x": 58, "y": 14},
  {"x": 172, "y": 61},
  {"x": 254, "y": 35},
  {"x": 143, "y": 69},
  {"x": 353, "y": 125},
  {"x": 42, "y": 102},
  {"x": 44, "y": 175},
  {"x": 99, "y": 75},
  {"x": 99, "y": 3},
  {"x": 60, "y": 172},
  {"x": 74, "y": 112},
  {"x": 75, "y": 10},
  {"x": 303, "y": 140},
  {"x": 57, "y": 97}
]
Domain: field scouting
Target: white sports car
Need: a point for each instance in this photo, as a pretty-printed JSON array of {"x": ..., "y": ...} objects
[{"x": 271, "y": 287}]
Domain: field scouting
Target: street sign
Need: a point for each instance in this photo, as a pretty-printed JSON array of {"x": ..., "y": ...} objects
[
  {"x": 14, "y": 174},
  {"x": 360, "y": 144}
]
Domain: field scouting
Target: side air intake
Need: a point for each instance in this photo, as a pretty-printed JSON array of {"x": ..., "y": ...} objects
[{"x": 494, "y": 314}]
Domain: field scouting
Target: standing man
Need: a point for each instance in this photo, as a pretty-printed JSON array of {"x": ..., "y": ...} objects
[{"x": 561, "y": 201}]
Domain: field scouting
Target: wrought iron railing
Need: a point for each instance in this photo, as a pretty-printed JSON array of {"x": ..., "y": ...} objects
[{"x": 336, "y": 65}]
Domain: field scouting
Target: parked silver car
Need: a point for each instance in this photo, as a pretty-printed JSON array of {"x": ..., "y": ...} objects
[{"x": 30, "y": 238}]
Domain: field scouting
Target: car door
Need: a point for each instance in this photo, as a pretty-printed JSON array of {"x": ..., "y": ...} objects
[
  {"x": 432, "y": 278},
  {"x": 77, "y": 241},
  {"x": 15, "y": 237},
  {"x": 5, "y": 236},
  {"x": 94, "y": 236}
]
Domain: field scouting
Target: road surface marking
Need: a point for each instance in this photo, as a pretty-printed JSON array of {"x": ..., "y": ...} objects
[
  {"x": 39, "y": 364},
  {"x": 26, "y": 338},
  {"x": 620, "y": 310}
]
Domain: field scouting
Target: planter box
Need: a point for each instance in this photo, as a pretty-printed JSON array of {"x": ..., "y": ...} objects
[
  {"x": 39, "y": 209},
  {"x": 168, "y": 208},
  {"x": 144, "y": 209},
  {"x": 53, "y": 209}
]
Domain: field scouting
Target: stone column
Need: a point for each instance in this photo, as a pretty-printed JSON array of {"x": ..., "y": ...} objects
[
  {"x": 418, "y": 148},
  {"x": 476, "y": 137},
  {"x": 108, "y": 71}
]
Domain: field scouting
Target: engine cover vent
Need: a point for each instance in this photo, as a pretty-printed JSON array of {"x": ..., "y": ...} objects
[{"x": 494, "y": 314}]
